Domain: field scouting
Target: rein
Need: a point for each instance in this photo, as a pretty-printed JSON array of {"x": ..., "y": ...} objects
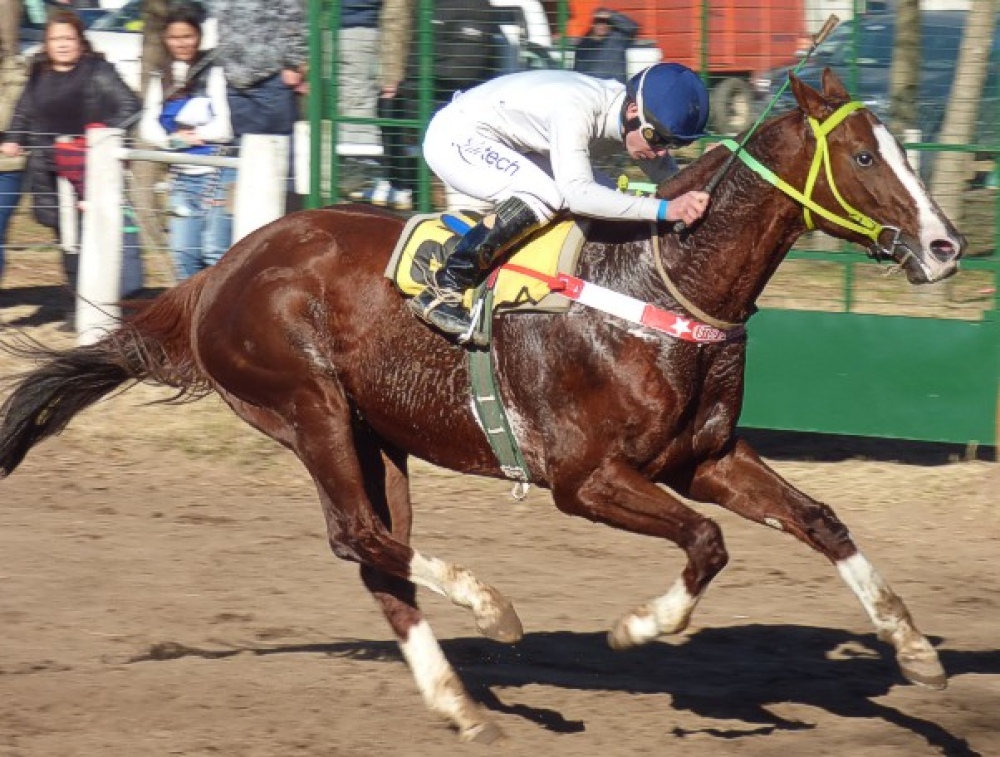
[{"x": 681, "y": 300}]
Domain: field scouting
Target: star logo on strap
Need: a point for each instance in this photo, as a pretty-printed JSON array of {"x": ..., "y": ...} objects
[{"x": 680, "y": 327}]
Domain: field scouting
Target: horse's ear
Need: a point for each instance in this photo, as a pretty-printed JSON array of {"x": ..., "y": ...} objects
[
  {"x": 813, "y": 103},
  {"x": 833, "y": 88}
]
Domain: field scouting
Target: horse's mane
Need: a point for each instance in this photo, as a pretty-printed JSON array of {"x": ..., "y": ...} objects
[{"x": 699, "y": 172}]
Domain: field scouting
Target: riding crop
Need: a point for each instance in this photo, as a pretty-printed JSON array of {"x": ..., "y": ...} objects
[{"x": 818, "y": 38}]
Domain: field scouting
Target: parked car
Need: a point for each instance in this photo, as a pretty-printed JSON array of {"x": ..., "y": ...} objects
[{"x": 861, "y": 50}]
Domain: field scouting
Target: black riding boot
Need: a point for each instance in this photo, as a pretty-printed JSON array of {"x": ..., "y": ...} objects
[{"x": 441, "y": 302}]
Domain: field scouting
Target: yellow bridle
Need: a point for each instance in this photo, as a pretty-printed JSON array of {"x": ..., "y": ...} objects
[{"x": 854, "y": 220}]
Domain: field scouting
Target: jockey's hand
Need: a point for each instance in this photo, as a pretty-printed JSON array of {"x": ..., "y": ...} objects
[{"x": 689, "y": 207}]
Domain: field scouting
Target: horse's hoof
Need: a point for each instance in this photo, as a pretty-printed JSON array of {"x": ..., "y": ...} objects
[
  {"x": 633, "y": 630},
  {"x": 498, "y": 621},
  {"x": 483, "y": 733},
  {"x": 923, "y": 669},
  {"x": 504, "y": 626}
]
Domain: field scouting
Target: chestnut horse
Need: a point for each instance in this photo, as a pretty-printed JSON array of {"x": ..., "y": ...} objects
[{"x": 302, "y": 335}]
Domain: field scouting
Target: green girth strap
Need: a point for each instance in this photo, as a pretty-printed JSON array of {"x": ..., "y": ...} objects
[{"x": 855, "y": 221}]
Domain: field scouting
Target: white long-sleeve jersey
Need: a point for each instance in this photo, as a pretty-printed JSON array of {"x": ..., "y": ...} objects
[{"x": 561, "y": 120}]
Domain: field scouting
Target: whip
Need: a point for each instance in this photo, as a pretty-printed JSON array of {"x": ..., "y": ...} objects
[{"x": 817, "y": 40}]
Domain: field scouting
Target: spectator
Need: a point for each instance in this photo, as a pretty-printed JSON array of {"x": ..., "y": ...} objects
[
  {"x": 602, "y": 52},
  {"x": 466, "y": 53},
  {"x": 69, "y": 86},
  {"x": 262, "y": 49},
  {"x": 358, "y": 69},
  {"x": 525, "y": 142},
  {"x": 11, "y": 170},
  {"x": 395, "y": 25},
  {"x": 186, "y": 109}
]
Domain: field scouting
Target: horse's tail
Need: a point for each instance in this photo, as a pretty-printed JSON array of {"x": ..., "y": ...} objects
[{"x": 153, "y": 344}]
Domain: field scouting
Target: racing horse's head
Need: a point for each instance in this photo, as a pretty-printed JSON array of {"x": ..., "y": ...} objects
[{"x": 865, "y": 189}]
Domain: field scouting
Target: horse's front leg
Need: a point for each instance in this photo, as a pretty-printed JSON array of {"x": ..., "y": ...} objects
[
  {"x": 743, "y": 483},
  {"x": 619, "y": 496}
]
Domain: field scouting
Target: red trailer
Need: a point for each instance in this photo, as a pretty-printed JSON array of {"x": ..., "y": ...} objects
[{"x": 745, "y": 37}]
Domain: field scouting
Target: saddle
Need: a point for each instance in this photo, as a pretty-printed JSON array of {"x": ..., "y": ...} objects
[{"x": 427, "y": 239}]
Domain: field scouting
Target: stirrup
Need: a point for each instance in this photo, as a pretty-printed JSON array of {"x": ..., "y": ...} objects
[{"x": 472, "y": 335}]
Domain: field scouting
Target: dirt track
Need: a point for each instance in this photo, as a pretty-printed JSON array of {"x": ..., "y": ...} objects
[{"x": 160, "y": 596}]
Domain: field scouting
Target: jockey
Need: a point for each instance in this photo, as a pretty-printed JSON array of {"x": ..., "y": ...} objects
[{"x": 525, "y": 142}]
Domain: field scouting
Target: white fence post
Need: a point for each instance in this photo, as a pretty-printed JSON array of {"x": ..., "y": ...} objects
[
  {"x": 261, "y": 184},
  {"x": 68, "y": 217},
  {"x": 99, "y": 287}
]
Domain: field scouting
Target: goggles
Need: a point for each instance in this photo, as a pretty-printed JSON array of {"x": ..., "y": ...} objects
[{"x": 656, "y": 140}]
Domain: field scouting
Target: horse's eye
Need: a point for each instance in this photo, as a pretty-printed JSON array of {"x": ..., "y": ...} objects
[{"x": 865, "y": 159}]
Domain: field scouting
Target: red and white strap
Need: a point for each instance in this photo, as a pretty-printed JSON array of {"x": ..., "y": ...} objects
[{"x": 630, "y": 309}]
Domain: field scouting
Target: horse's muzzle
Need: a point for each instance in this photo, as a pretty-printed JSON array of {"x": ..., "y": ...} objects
[{"x": 936, "y": 262}]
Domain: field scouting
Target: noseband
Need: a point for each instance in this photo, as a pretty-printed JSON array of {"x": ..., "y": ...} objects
[{"x": 854, "y": 220}]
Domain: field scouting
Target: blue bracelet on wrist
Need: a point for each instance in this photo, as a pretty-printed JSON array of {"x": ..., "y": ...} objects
[{"x": 661, "y": 214}]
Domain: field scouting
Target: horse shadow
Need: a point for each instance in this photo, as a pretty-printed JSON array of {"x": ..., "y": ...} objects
[
  {"x": 729, "y": 674},
  {"x": 819, "y": 447},
  {"x": 51, "y": 304}
]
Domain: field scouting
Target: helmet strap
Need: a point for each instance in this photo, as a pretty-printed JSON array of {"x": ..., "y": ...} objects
[{"x": 629, "y": 124}]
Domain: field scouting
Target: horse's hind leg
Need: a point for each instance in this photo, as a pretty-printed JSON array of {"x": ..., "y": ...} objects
[
  {"x": 743, "y": 483},
  {"x": 360, "y": 489},
  {"x": 388, "y": 486}
]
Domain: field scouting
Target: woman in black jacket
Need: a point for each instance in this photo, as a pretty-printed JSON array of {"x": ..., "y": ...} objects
[{"x": 69, "y": 86}]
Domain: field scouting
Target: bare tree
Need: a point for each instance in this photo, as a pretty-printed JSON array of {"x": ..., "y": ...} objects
[
  {"x": 13, "y": 71},
  {"x": 10, "y": 24},
  {"x": 905, "y": 74},
  {"x": 146, "y": 174},
  {"x": 952, "y": 168}
]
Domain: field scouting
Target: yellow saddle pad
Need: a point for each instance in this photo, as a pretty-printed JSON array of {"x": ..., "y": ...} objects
[{"x": 425, "y": 240}]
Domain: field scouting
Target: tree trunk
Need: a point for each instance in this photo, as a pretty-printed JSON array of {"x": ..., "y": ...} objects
[
  {"x": 10, "y": 25},
  {"x": 13, "y": 71},
  {"x": 145, "y": 175},
  {"x": 951, "y": 170},
  {"x": 905, "y": 74}
]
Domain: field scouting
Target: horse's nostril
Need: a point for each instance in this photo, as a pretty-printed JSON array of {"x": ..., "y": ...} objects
[{"x": 944, "y": 250}]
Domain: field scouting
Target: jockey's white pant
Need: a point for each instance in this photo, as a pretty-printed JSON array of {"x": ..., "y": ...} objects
[{"x": 474, "y": 163}]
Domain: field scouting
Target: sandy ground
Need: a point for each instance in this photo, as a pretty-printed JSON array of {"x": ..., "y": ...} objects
[{"x": 166, "y": 589}]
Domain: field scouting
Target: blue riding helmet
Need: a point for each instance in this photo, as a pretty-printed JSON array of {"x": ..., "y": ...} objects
[{"x": 672, "y": 102}]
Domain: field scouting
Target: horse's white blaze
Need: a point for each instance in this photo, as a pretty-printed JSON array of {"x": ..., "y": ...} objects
[
  {"x": 932, "y": 226},
  {"x": 437, "y": 682}
]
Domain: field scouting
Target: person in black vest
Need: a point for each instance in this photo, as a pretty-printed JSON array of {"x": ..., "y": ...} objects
[
  {"x": 187, "y": 109},
  {"x": 69, "y": 86},
  {"x": 602, "y": 52}
]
